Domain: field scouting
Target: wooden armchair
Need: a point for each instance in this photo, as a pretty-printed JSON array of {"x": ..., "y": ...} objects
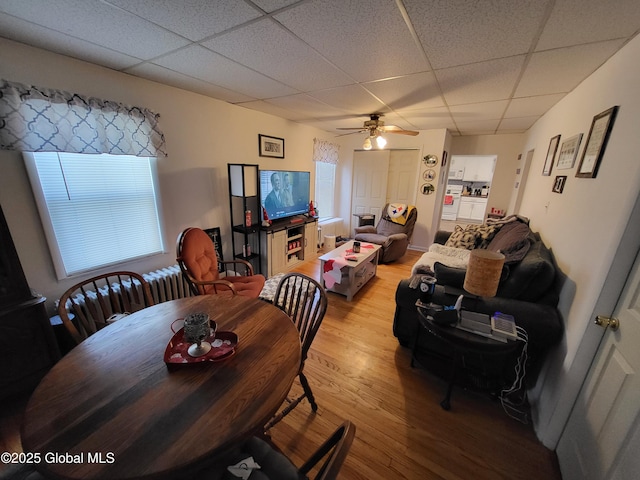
[
  {"x": 198, "y": 261},
  {"x": 96, "y": 301}
]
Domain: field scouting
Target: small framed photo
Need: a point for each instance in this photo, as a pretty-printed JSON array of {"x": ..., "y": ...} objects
[
  {"x": 569, "y": 152},
  {"x": 270, "y": 146},
  {"x": 551, "y": 155},
  {"x": 558, "y": 185},
  {"x": 596, "y": 143}
]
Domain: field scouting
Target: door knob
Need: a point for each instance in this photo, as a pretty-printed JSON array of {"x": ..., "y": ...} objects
[{"x": 606, "y": 322}]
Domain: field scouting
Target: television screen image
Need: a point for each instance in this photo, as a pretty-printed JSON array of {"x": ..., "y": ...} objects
[{"x": 284, "y": 193}]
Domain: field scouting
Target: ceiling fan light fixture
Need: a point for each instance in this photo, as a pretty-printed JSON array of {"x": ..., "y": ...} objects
[
  {"x": 381, "y": 141},
  {"x": 367, "y": 143}
]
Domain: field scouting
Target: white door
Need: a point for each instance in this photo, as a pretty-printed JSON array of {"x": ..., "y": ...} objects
[
  {"x": 404, "y": 168},
  {"x": 369, "y": 189},
  {"x": 602, "y": 437}
]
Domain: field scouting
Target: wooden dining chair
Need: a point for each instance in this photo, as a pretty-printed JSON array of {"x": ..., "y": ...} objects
[
  {"x": 196, "y": 256},
  {"x": 324, "y": 464},
  {"x": 100, "y": 300},
  {"x": 304, "y": 300}
]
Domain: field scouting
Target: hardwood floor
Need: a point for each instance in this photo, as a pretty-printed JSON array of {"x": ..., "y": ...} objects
[{"x": 358, "y": 371}]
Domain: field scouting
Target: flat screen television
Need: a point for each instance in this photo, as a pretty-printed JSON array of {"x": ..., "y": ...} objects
[{"x": 284, "y": 193}]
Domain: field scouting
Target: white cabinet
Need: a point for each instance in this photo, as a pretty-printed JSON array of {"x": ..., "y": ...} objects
[
  {"x": 472, "y": 208},
  {"x": 456, "y": 170},
  {"x": 479, "y": 169},
  {"x": 288, "y": 245}
]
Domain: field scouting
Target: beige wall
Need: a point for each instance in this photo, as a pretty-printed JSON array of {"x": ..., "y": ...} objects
[
  {"x": 202, "y": 136},
  {"x": 584, "y": 224}
]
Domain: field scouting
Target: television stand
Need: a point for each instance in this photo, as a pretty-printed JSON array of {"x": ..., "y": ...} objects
[{"x": 288, "y": 243}]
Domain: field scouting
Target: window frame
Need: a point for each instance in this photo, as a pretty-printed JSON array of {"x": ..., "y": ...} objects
[{"x": 30, "y": 159}]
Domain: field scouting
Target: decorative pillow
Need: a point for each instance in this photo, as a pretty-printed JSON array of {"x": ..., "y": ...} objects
[
  {"x": 484, "y": 234},
  {"x": 462, "y": 238}
]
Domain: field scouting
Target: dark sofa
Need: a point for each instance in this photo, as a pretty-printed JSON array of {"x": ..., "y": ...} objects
[{"x": 528, "y": 290}]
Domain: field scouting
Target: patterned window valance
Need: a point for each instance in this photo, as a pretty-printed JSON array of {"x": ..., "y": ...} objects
[
  {"x": 324, "y": 151},
  {"x": 34, "y": 119}
]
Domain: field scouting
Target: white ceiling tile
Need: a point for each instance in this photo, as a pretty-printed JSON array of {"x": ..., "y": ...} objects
[
  {"x": 201, "y": 63},
  {"x": 575, "y": 63},
  {"x": 458, "y": 32},
  {"x": 308, "y": 106},
  {"x": 43, "y": 37},
  {"x": 352, "y": 98},
  {"x": 273, "y": 5},
  {"x": 175, "y": 79},
  {"x": 573, "y": 22},
  {"x": 101, "y": 23},
  {"x": 478, "y": 127},
  {"x": 271, "y": 109},
  {"x": 532, "y": 106},
  {"x": 520, "y": 124},
  {"x": 474, "y": 111},
  {"x": 291, "y": 62},
  {"x": 429, "y": 119},
  {"x": 409, "y": 92},
  {"x": 193, "y": 19},
  {"x": 368, "y": 41},
  {"x": 480, "y": 82}
]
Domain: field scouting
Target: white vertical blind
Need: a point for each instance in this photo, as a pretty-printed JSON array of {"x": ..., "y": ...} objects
[
  {"x": 97, "y": 210},
  {"x": 325, "y": 189}
]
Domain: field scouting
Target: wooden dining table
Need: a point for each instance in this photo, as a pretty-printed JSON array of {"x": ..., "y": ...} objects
[{"x": 112, "y": 408}]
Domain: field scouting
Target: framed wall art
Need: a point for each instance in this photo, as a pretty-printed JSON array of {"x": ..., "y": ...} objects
[
  {"x": 558, "y": 185},
  {"x": 596, "y": 143},
  {"x": 551, "y": 155},
  {"x": 569, "y": 152},
  {"x": 270, "y": 146}
]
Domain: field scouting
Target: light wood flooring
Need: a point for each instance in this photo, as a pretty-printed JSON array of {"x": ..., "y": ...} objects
[{"x": 358, "y": 371}]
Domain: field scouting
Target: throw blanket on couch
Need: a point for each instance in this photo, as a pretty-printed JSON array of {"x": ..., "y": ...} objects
[{"x": 449, "y": 256}]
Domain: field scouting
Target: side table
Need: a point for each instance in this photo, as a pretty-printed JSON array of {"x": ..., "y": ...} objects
[{"x": 462, "y": 345}]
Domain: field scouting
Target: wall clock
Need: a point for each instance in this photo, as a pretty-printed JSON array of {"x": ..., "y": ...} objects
[
  {"x": 428, "y": 175},
  {"x": 430, "y": 160},
  {"x": 427, "y": 189}
]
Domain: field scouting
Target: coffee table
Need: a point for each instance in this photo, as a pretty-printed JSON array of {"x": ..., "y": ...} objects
[{"x": 346, "y": 277}]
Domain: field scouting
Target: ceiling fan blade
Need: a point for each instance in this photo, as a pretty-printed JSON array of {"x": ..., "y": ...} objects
[
  {"x": 352, "y": 128},
  {"x": 401, "y": 131},
  {"x": 350, "y": 133}
]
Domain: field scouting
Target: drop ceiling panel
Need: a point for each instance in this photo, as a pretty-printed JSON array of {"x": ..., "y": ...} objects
[
  {"x": 193, "y": 19},
  {"x": 430, "y": 119},
  {"x": 532, "y": 106},
  {"x": 352, "y": 98},
  {"x": 272, "y": 109},
  {"x": 410, "y": 92},
  {"x": 290, "y": 60},
  {"x": 176, "y": 79},
  {"x": 43, "y": 37},
  {"x": 480, "y": 82},
  {"x": 270, "y": 6},
  {"x": 308, "y": 107},
  {"x": 368, "y": 40},
  {"x": 585, "y": 21},
  {"x": 201, "y": 63},
  {"x": 473, "y": 111},
  {"x": 517, "y": 125},
  {"x": 461, "y": 32},
  {"x": 574, "y": 63},
  {"x": 100, "y": 23}
]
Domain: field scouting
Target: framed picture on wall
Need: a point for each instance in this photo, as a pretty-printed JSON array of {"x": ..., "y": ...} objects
[
  {"x": 270, "y": 146},
  {"x": 596, "y": 143},
  {"x": 214, "y": 234},
  {"x": 551, "y": 155},
  {"x": 569, "y": 152}
]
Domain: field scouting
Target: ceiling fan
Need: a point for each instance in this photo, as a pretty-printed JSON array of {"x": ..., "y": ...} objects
[{"x": 376, "y": 127}]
